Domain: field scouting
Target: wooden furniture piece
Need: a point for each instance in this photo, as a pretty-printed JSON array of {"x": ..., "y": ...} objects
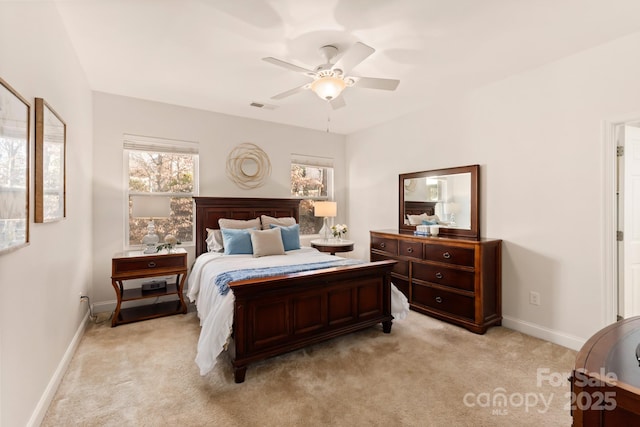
[
  {"x": 605, "y": 384},
  {"x": 278, "y": 314},
  {"x": 332, "y": 246},
  {"x": 136, "y": 265},
  {"x": 451, "y": 278}
]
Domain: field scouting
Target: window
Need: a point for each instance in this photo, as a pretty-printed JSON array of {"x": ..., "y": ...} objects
[
  {"x": 311, "y": 180},
  {"x": 166, "y": 168}
]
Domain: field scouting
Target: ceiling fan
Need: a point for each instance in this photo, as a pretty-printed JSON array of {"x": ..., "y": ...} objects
[{"x": 330, "y": 79}]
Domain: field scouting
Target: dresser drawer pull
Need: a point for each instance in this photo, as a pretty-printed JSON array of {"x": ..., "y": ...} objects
[
  {"x": 446, "y": 255},
  {"x": 409, "y": 250},
  {"x": 438, "y": 300},
  {"x": 151, "y": 264},
  {"x": 439, "y": 275},
  {"x": 382, "y": 245}
]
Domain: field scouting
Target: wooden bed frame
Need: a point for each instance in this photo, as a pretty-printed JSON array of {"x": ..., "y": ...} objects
[{"x": 279, "y": 314}]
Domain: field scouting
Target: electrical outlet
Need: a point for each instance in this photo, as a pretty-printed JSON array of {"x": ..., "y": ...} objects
[{"x": 534, "y": 298}]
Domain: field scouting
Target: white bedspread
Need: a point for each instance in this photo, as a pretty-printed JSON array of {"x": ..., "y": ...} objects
[{"x": 216, "y": 311}]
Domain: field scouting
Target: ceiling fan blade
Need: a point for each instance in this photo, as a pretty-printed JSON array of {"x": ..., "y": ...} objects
[
  {"x": 355, "y": 55},
  {"x": 375, "y": 83},
  {"x": 291, "y": 92},
  {"x": 338, "y": 102},
  {"x": 289, "y": 66}
]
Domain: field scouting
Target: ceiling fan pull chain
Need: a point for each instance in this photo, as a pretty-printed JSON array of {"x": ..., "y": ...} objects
[{"x": 328, "y": 116}]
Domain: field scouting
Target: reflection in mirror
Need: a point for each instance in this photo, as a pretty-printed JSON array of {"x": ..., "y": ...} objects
[
  {"x": 446, "y": 197},
  {"x": 14, "y": 169},
  {"x": 449, "y": 196}
]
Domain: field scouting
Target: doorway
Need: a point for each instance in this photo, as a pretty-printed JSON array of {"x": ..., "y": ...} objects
[{"x": 628, "y": 219}]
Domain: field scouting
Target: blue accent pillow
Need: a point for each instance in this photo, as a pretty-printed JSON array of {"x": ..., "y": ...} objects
[
  {"x": 237, "y": 241},
  {"x": 425, "y": 222},
  {"x": 290, "y": 236}
]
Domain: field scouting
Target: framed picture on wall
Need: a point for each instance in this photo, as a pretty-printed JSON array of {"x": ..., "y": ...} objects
[
  {"x": 14, "y": 168},
  {"x": 50, "y": 159}
]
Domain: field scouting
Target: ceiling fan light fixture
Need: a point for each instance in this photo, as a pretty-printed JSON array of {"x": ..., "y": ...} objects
[{"x": 328, "y": 87}]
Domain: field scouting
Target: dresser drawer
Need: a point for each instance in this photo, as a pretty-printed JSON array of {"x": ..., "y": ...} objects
[
  {"x": 410, "y": 249},
  {"x": 402, "y": 284},
  {"x": 147, "y": 264},
  {"x": 401, "y": 267},
  {"x": 383, "y": 244},
  {"x": 450, "y": 254},
  {"x": 446, "y": 302},
  {"x": 444, "y": 276}
]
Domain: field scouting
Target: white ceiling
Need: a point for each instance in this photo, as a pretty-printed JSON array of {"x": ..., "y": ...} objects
[{"x": 206, "y": 54}]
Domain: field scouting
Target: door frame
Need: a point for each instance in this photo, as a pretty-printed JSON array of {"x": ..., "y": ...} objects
[{"x": 610, "y": 215}]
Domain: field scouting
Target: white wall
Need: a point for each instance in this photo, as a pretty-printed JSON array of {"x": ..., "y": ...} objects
[
  {"x": 40, "y": 310},
  {"x": 538, "y": 139},
  {"x": 217, "y": 135}
]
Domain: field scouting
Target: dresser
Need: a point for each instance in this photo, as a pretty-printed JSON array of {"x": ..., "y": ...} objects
[{"x": 452, "y": 278}]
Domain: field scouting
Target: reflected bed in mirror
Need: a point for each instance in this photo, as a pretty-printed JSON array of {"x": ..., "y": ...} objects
[{"x": 446, "y": 197}]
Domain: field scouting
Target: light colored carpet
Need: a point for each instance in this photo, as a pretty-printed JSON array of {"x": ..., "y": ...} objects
[{"x": 425, "y": 373}]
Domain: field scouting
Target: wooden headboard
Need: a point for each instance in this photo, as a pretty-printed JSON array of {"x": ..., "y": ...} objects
[
  {"x": 210, "y": 209},
  {"x": 417, "y": 208}
]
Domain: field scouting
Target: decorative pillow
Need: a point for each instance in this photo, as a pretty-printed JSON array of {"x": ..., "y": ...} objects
[
  {"x": 237, "y": 241},
  {"x": 239, "y": 223},
  {"x": 290, "y": 236},
  {"x": 417, "y": 219},
  {"x": 266, "y": 242},
  {"x": 214, "y": 240},
  {"x": 267, "y": 221},
  {"x": 425, "y": 222}
]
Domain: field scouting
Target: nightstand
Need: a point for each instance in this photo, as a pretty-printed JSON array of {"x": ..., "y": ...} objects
[
  {"x": 136, "y": 265},
  {"x": 332, "y": 246}
]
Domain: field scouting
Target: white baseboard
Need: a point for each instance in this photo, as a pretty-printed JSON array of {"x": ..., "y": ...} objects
[
  {"x": 556, "y": 337},
  {"x": 47, "y": 397}
]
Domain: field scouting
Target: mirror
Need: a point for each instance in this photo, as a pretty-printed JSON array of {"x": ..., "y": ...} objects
[{"x": 446, "y": 196}]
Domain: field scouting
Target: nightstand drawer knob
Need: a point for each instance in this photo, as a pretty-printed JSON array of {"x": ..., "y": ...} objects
[
  {"x": 409, "y": 250},
  {"x": 438, "y": 300},
  {"x": 446, "y": 255},
  {"x": 382, "y": 245},
  {"x": 151, "y": 264},
  {"x": 439, "y": 275}
]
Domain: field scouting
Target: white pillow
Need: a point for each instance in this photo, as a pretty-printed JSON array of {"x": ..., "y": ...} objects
[
  {"x": 284, "y": 221},
  {"x": 214, "y": 240},
  {"x": 239, "y": 224},
  {"x": 417, "y": 219},
  {"x": 267, "y": 242}
]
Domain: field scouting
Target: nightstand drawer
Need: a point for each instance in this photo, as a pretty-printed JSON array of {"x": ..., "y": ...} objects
[{"x": 148, "y": 263}]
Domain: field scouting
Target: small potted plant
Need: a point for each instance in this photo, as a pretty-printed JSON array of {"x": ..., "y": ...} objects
[{"x": 170, "y": 241}]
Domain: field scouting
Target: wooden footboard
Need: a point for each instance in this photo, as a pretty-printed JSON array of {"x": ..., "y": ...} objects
[{"x": 284, "y": 313}]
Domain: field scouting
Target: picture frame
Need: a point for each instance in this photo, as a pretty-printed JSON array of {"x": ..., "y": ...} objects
[
  {"x": 50, "y": 164},
  {"x": 15, "y": 115}
]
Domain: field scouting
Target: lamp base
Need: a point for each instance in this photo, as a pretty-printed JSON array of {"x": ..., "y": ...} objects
[
  {"x": 151, "y": 249},
  {"x": 324, "y": 231}
]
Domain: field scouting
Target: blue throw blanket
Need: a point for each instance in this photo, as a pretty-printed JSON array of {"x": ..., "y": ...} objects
[{"x": 223, "y": 279}]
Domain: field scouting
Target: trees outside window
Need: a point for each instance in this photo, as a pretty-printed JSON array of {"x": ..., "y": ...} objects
[
  {"x": 162, "y": 173},
  {"x": 310, "y": 184}
]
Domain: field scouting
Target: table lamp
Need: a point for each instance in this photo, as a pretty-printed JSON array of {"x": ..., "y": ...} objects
[
  {"x": 150, "y": 207},
  {"x": 325, "y": 210}
]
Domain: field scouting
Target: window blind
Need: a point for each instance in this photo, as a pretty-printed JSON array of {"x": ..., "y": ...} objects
[{"x": 164, "y": 145}]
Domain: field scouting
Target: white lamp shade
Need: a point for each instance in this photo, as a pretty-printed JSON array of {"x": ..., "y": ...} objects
[
  {"x": 325, "y": 209},
  {"x": 328, "y": 87},
  {"x": 150, "y": 206}
]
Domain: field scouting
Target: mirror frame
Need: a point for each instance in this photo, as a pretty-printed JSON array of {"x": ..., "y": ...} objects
[{"x": 474, "y": 170}]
